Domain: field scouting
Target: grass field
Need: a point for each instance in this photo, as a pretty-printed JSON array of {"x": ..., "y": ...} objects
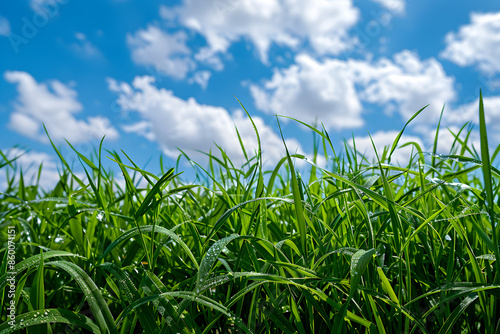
[{"x": 358, "y": 247}]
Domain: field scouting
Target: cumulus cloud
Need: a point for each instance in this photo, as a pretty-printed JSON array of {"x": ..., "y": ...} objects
[
  {"x": 406, "y": 84},
  {"x": 53, "y": 104},
  {"x": 167, "y": 53},
  {"x": 331, "y": 91},
  {"x": 385, "y": 139},
  {"x": 320, "y": 25},
  {"x": 477, "y": 43},
  {"x": 323, "y": 24},
  {"x": 4, "y": 26},
  {"x": 188, "y": 125},
  {"x": 312, "y": 91}
]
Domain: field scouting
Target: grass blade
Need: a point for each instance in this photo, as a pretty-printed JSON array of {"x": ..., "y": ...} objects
[
  {"x": 297, "y": 199},
  {"x": 35, "y": 318},
  {"x": 488, "y": 183},
  {"x": 96, "y": 301}
]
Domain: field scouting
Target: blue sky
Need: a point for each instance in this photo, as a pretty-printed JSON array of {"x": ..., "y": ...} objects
[{"x": 156, "y": 76}]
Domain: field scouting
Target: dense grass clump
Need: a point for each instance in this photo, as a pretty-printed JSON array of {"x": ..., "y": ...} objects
[{"x": 358, "y": 247}]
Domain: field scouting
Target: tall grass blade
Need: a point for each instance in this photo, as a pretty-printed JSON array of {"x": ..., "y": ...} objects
[
  {"x": 297, "y": 199},
  {"x": 398, "y": 137},
  {"x": 488, "y": 182}
]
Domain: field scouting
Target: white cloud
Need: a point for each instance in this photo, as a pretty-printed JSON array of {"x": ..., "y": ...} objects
[
  {"x": 331, "y": 91},
  {"x": 477, "y": 43},
  {"x": 142, "y": 128},
  {"x": 54, "y": 105},
  {"x": 323, "y": 24},
  {"x": 406, "y": 84},
  {"x": 4, "y": 26},
  {"x": 383, "y": 139},
  {"x": 29, "y": 162},
  {"x": 396, "y": 6},
  {"x": 201, "y": 78},
  {"x": 312, "y": 91},
  {"x": 167, "y": 53},
  {"x": 186, "y": 124}
]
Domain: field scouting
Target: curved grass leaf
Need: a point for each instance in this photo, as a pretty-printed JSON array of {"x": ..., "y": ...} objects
[
  {"x": 452, "y": 319},
  {"x": 34, "y": 261},
  {"x": 130, "y": 293},
  {"x": 209, "y": 259},
  {"x": 96, "y": 301},
  {"x": 359, "y": 262},
  {"x": 146, "y": 203},
  {"x": 194, "y": 297},
  {"x": 40, "y": 317},
  {"x": 148, "y": 228}
]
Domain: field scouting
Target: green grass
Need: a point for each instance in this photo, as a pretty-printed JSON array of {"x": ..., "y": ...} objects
[{"x": 359, "y": 247}]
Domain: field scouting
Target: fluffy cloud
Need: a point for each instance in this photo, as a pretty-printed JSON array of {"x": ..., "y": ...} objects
[
  {"x": 323, "y": 24},
  {"x": 406, "y": 84},
  {"x": 185, "y": 124},
  {"x": 312, "y": 91},
  {"x": 384, "y": 139},
  {"x": 477, "y": 43},
  {"x": 54, "y": 105},
  {"x": 4, "y": 26},
  {"x": 167, "y": 53},
  {"x": 331, "y": 91}
]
